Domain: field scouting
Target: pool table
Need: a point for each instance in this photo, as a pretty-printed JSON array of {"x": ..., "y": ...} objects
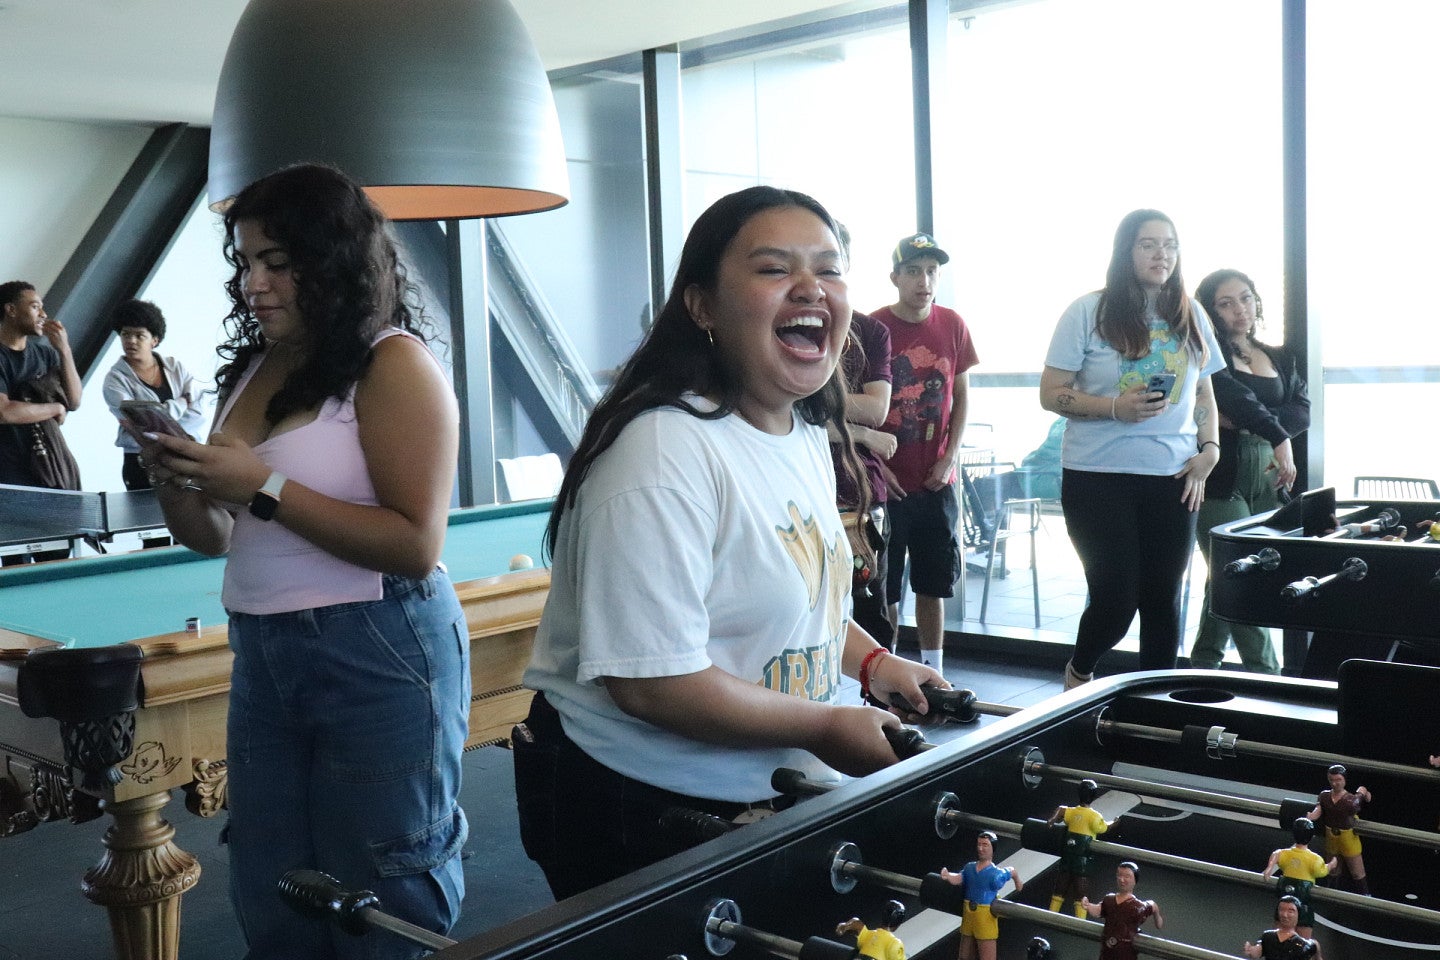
[{"x": 133, "y": 609}]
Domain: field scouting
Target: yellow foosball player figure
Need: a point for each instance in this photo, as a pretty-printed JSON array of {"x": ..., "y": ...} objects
[
  {"x": 1300, "y": 868},
  {"x": 1082, "y": 825},
  {"x": 878, "y": 943}
]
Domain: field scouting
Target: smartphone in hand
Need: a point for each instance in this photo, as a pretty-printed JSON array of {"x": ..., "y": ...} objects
[
  {"x": 1161, "y": 383},
  {"x": 140, "y": 417}
]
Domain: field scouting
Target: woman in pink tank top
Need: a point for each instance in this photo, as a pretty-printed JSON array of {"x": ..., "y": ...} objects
[{"x": 327, "y": 481}]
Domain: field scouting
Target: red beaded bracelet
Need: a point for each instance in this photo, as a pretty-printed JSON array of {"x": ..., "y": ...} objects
[{"x": 865, "y": 671}]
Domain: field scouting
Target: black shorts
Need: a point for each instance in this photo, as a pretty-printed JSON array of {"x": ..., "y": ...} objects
[{"x": 924, "y": 527}]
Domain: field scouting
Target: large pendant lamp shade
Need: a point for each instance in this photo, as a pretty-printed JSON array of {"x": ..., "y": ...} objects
[{"x": 440, "y": 108}]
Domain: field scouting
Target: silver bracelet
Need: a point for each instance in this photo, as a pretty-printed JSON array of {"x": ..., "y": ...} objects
[{"x": 1112, "y": 407}]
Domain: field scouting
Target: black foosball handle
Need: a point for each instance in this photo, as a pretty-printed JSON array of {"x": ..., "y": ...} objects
[
  {"x": 319, "y": 895},
  {"x": 907, "y": 741},
  {"x": 693, "y": 825},
  {"x": 957, "y": 705}
]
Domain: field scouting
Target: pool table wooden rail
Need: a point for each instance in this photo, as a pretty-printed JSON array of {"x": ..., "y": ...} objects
[
  {"x": 185, "y": 680},
  {"x": 179, "y": 741}
]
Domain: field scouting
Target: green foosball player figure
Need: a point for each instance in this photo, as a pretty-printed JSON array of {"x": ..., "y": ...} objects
[{"x": 1082, "y": 825}]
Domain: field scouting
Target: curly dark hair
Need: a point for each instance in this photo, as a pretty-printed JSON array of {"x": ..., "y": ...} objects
[
  {"x": 1206, "y": 292},
  {"x": 349, "y": 282},
  {"x": 10, "y": 291},
  {"x": 139, "y": 313},
  {"x": 676, "y": 357}
]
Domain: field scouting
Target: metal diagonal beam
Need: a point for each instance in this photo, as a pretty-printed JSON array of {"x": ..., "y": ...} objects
[{"x": 122, "y": 247}]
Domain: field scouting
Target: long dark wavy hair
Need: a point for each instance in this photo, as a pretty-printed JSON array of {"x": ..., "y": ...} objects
[
  {"x": 676, "y": 356},
  {"x": 349, "y": 283},
  {"x": 1205, "y": 294},
  {"x": 1120, "y": 317}
]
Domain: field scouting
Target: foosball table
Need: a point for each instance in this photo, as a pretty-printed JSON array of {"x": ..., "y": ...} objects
[
  {"x": 1362, "y": 577},
  {"x": 1201, "y": 773}
]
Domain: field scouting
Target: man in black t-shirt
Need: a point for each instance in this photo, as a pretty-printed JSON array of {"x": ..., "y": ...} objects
[{"x": 31, "y": 345}]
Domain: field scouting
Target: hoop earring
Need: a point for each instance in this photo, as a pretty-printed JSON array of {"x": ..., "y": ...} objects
[{"x": 711, "y": 334}]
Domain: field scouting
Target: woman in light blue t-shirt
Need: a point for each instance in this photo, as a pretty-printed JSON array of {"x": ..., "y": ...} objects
[{"x": 1129, "y": 368}]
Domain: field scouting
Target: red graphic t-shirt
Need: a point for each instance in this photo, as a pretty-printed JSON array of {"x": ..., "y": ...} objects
[{"x": 925, "y": 358}]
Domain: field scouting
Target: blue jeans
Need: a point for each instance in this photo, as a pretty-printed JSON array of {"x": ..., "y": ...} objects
[{"x": 347, "y": 723}]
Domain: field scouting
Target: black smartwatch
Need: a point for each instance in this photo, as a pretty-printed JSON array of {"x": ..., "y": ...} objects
[{"x": 267, "y": 498}]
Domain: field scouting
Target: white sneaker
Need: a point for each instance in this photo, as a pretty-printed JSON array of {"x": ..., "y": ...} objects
[{"x": 1073, "y": 678}]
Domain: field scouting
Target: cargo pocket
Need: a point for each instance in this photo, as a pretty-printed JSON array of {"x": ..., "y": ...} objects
[{"x": 423, "y": 850}]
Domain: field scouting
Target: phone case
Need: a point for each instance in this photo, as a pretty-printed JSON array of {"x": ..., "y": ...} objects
[{"x": 145, "y": 416}]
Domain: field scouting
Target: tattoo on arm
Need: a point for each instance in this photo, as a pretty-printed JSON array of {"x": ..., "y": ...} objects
[
  {"x": 1202, "y": 414},
  {"x": 1066, "y": 401}
]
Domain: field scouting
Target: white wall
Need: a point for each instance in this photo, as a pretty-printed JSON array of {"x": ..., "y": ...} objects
[
  {"x": 188, "y": 289},
  {"x": 55, "y": 177}
]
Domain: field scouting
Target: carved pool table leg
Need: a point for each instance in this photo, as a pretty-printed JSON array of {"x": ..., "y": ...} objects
[{"x": 140, "y": 879}]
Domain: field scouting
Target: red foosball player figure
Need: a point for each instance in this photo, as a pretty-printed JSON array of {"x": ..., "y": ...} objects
[
  {"x": 1300, "y": 867},
  {"x": 1284, "y": 942},
  {"x": 879, "y": 943},
  {"x": 1124, "y": 914},
  {"x": 1336, "y": 811},
  {"x": 1082, "y": 825},
  {"x": 982, "y": 881}
]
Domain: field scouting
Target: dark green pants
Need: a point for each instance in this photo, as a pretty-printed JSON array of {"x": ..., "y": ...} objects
[{"x": 1254, "y": 493}]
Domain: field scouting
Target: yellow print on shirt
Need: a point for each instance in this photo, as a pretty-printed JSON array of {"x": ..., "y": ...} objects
[
  {"x": 1167, "y": 355},
  {"x": 814, "y": 673}
]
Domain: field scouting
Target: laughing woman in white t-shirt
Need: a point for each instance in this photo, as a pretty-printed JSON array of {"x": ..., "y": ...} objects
[
  {"x": 697, "y": 625},
  {"x": 1129, "y": 367}
]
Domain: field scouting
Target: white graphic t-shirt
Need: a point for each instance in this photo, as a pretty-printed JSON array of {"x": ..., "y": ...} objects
[
  {"x": 696, "y": 543},
  {"x": 1158, "y": 446}
]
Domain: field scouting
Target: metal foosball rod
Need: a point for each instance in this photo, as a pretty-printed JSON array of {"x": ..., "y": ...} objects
[
  {"x": 319, "y": 895},
  {"x": 1218, "y": 744},
  {"x": 1353, "y": 570},
  {"x": 723, "y": 930},
  {"x": 1034, "y": 768},
  {"x": 847, "y": 869},
  {"x": 1037, "y": 835}
]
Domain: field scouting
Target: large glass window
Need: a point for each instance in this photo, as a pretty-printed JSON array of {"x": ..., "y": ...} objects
[
  {"x": 829, "y": 117},
  {"x": 575, "y": 279},
  {"x": 1066, "y": 117},
  {"x": 1374, "y": 203},
  {"x": 588, "y": 257}
]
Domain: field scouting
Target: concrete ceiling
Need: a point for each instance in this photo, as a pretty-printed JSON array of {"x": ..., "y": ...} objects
[{"x": 157, "y": 61}]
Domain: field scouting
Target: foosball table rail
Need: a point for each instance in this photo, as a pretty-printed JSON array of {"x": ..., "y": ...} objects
[{"x": 778, "y": 868}]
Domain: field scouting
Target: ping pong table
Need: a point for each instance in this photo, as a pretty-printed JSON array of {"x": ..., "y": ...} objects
[{"x": 33, "y": 519}]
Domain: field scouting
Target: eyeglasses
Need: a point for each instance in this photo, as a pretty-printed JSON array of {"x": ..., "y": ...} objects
[{"x": 1171, "y": 248}]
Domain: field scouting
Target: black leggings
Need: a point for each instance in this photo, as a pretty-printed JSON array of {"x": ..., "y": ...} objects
[{"x": 1135, "y": 538}]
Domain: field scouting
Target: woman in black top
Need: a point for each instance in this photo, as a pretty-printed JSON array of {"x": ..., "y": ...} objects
[{"x": 1263, "y": 404}]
